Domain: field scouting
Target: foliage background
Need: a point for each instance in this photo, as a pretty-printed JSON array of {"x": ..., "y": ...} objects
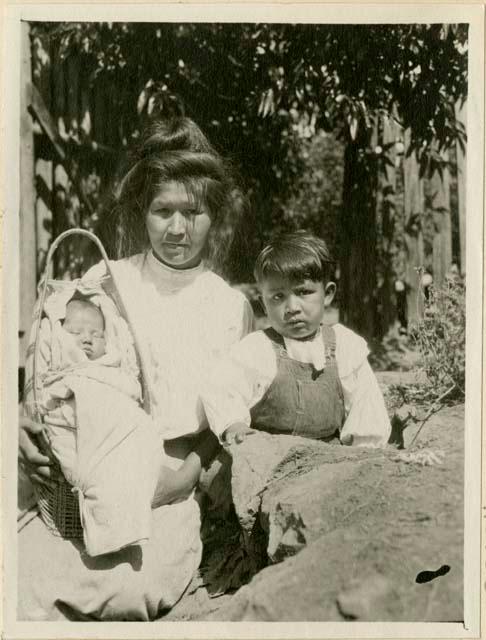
[{"x": 300, "y": 110}]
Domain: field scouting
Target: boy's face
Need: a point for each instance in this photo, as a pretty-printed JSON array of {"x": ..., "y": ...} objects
[
  {"x": 86, "y": 324},
  {"x": 295, "y": 308}
]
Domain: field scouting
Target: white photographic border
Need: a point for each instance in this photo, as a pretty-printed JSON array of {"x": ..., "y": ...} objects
[{"x": 352, "y": 13}]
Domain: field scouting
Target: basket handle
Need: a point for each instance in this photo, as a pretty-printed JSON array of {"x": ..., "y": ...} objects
[
  {"x": 119, "y": 300},
  {"x": 72, "y": 232}
]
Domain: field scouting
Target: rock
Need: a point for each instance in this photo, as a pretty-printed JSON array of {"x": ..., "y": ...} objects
[
  {"x": 299, "y": 510},
  {"x": 350, "y": 530},
  {"x": 289, "y": 483},
  {"x": 254, "y": 462},
  {"x": 370, "y": 598}
]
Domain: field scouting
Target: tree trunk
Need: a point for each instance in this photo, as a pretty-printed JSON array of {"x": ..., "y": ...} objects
[
  {"x": 461, "y": 116},
  {"x": 357, "y": 244},
  {"x": 414, "y": 247}
]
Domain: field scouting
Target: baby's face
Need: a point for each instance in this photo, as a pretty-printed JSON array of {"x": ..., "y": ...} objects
[{"x": 85, "y": 322}]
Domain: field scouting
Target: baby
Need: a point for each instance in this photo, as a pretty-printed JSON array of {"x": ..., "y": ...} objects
[
  {"x": 300, "y": 376},
  {"x": 81, "y": 346},
  {"x": 106, "y": 445}
]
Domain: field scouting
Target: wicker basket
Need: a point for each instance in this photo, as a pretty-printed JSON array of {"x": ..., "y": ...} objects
[
  {"x": 59, "y": 504},
  {"x": 59, "y": 508}
]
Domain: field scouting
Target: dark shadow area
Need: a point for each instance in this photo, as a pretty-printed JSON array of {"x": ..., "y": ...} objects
[{"x": 427, "y": 576}]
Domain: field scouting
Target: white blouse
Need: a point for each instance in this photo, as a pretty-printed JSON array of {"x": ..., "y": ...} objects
[
  {"x": 241, "y": 379},
  {"x": 185, "y": 320}
]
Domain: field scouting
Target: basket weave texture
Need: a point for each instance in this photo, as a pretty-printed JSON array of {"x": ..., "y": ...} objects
[{"x": 59, "y": 508}]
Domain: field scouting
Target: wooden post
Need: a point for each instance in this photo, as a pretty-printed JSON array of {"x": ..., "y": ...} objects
[
  {"x": 385, "y": 220},
  {"x": 43, "y": 206},
  {"x": 41, "y": 67},
  {"x": 461, "y": 116},
  {"x": 27, "y": 227},
  {"x": 441, "y": 207},
  {"x": 413, "y": 212}
]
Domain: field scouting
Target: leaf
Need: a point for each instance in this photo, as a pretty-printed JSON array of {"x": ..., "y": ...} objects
[
  {"x": 143, "y": 97},
  {"x": 267, "y": 104},
  {"x": 353, "y": 127},
  {"x": 142, "y": 101},
  {"x": 151, "y": 105}
]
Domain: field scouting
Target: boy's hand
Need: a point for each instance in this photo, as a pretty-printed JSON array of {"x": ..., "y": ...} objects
[{"x": 236, "y": 433}]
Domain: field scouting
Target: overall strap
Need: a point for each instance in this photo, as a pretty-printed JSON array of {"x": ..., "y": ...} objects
[
  {"x": 275, "y": 338},
  {"x": 329, "y": 338}
]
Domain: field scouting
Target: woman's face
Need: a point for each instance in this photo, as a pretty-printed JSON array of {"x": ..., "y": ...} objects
[{"x": 177, "y": 227}]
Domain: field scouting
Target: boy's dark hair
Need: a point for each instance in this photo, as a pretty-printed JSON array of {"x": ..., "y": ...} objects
[{"x": 298, "y": 255}]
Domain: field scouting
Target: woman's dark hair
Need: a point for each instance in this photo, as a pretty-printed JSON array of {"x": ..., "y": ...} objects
[
  {"x": 177, "y": 150},
  {"x": 173, "y": 134},
  {"x": 298, "y": 255}
]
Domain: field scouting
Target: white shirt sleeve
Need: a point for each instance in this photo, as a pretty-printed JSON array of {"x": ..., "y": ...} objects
[
  {"x": 247, "y": 324},
  {"x": 238, "y": 382},
  {"x": 367, "y": 423}
]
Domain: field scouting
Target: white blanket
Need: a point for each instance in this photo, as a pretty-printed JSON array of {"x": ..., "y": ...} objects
[
  {"x": 115, "y": 466},
  {"x": 107, "y": 446}
]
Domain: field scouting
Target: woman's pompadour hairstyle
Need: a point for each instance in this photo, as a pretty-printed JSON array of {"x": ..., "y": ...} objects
[{"x": 176, "y": 150}]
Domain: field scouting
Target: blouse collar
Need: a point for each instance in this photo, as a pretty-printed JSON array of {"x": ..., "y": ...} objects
[{"x": 173, "y": 279}]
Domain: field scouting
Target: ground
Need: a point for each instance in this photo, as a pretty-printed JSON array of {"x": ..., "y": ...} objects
[{"x": 347, "y": 533}]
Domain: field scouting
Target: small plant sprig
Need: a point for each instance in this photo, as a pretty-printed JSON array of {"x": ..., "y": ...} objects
[{"x": 441, "y": 338}]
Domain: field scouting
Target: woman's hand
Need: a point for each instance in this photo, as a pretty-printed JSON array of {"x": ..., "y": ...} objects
[
  {"x": 37, "y": 466},
  {"x": 174, "y": 486},
  {"x": 236, "y": 433}
]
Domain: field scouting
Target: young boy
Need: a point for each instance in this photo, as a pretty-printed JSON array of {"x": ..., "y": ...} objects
[{"x": 299, "y": 376}]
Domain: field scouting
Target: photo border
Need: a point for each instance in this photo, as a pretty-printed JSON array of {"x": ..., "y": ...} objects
[{"x": 361, "y": 13}]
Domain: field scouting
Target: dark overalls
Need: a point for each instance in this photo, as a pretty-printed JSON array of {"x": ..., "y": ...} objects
[{"x": 301, "y": 400}]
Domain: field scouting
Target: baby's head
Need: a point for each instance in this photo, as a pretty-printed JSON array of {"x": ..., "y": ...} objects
[
  {"x": 294, "y": 274},
  {"x": 86, "y": 323}
]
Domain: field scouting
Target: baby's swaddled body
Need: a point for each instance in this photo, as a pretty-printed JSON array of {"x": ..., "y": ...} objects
[{"x": 105, "y": 443}]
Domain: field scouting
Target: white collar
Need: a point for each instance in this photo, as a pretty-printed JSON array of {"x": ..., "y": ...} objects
[
  {"x": 310, "y": 351},
  {"x": 172, "y": 279}
]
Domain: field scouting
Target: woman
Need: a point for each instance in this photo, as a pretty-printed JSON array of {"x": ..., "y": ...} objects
[{"x": 171, "y": 208}]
